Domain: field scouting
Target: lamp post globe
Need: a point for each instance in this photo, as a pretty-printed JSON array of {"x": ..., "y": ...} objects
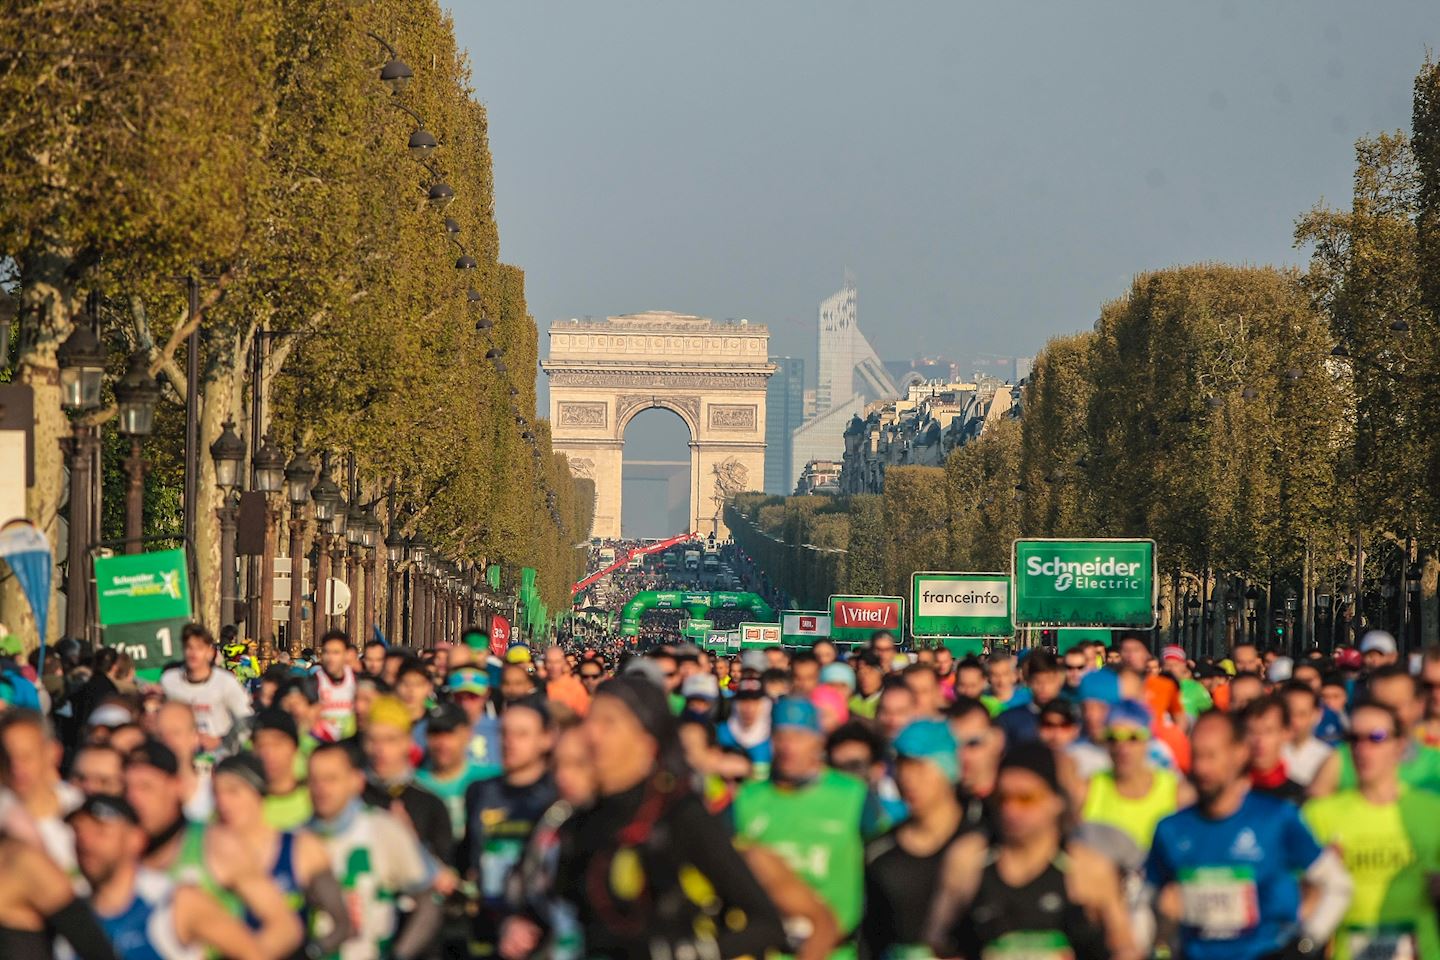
[
  {"x": 228, "y": 452},
  {"x": 395, "y": 546},
  {"x": 82, "y": 366},
  {"x": 326, "y": 495},
  {"x": 339, "y": 520},
  {"x": 371, "y": 529},
  {"x": 396, "y": 75},
  {"x": 269, "y": 467},
  {"x": 419, "y": 549},
  {"x": 136, "y": 395},
  {"x": 422, "y": 143},
  {"x": 299, "y": 473},
  {"x": 355, "y": 525},
  {"x": 441, "y": 194}
]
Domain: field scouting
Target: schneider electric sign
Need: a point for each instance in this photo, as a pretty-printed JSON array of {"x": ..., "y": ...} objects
[
  {"x": 1084, "y": 583},
  {"x": 959, "y": 605}
]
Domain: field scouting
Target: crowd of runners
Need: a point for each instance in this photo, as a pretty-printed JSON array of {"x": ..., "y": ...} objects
[{"x": 603, "y": 800}]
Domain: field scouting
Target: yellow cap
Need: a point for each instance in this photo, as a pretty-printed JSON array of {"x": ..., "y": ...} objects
[
  {"x": 517, "y": 654},
  {"x": 1228, "y": 666},
  {"x": 388, "y": 711}
]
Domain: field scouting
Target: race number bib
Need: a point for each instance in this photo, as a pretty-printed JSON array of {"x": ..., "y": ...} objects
[
  {"x": 1220, "y": 902},
  {"x": 1029, "y": 945},
  {"x": 499, "y": 856},
  {"x": 1381, "y": 943}
]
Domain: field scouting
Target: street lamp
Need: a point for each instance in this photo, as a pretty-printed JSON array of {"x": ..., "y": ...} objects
[
  {"x": 228, "y": 452},
  {"x": 82, "y": 368},
  {"x": 136, "y": 395},
  {"x": 299, "y": 472},
  {"x": 269, "y": 466},
  {"x": 395, "y": 545},
  {"x": 440, "y": 195},
  {"x": 325, "y": 494},
  {"x": 355, "y": 525},
  {"x": 396, "y": 75}
]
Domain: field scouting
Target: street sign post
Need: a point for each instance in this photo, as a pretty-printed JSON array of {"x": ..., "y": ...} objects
[
  {"x": 801, "y": 628},
  {"x": 1084, "y": 583},
  {"x": 959, "y": 604},
  {"x": 855, "y": 619},
  {"x": 757, "y": 636}
]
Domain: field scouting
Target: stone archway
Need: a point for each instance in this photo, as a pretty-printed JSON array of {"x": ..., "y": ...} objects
[{"x": 712, "y": 375}]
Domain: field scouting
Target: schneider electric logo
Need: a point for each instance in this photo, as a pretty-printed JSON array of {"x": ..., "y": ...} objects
[{"x": 1101, "y": 573}]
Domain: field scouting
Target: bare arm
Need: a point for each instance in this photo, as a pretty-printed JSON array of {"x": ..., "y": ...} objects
[
  {"x": 1327, "y": 779},
  {"x": 1094, "y": 883},
  {"x": 280, "y": 932},
  {"x": 199, "y": 918},
  {"x": 959, "y": 877},
  {"x": 794, "y": 899}
]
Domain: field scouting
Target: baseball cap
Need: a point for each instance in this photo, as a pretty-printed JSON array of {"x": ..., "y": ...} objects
[
  {"x": 838, "y": 673},
  {"x": 445, "y": 717},
  {"x": 1130, "y": 713},
  {"x": 753, "y": 660},
  {"x": 1173, "y": 652},
  {"x": 931, "y": 741},
  {"x": 468, "y": 680},
  {"x": 1280, "y": 670},
  {"x": 749, "y": 688},
  {"x": 796, "y": 713},
  {"x": 646, "y": 668},
  {"x": 1034, "y": 756},
  {"x": 273, "y": 718},
  {"x": 1102, "y": 685},
  {"x": 1348, "y": 659},
  {"x": 388, "y": 710},
  {"x": 1378, "y": 641},
  {"x": 700, "y": 686},
  {"x": 518, "y": 653},
  {"x": 105, "y": 808},
  {"x": 153, "y": 753},
  {"x": 109, "y": 715}
]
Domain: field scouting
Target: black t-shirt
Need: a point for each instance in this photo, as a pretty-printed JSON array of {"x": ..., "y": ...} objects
[
  {"x": 499, "y": 818},
  {"x": 899, "y": 888},
  {"x": 427, "y": 813}
]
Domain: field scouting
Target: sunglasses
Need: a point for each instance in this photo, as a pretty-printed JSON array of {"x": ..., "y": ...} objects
[
  {"x": 590, "y": 676},
  {"x": 856, "y": 768},
  {"x": 1056, "y": 725},
  {"x": 1374, "y": 736},
  {"x": 1127, "y": 735},
  {"x": 1074, "y": 669},
  {"x": 1022, "y": 798}
]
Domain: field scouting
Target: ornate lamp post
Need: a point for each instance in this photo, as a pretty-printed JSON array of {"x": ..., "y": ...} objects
[
  {"x": 370, "y": 540},
  {"x": 420, "y": 556},
  {"x": 136, "y": 395},
  {"x": 326, "y": 497},
  {"x": 269, "y": 465},
  {"x": 355, "y": 541},
  {"x": 394, "y": 557},
  {"x": 299, "y": 473},
  {"x": 228, "y": 452},
  {"x": 82, "y": 369}
]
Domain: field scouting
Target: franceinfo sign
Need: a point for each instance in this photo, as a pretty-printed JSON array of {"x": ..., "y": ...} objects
[
  {"x": 1084, "y": 583},
  {"x": 959, "y": 604}
]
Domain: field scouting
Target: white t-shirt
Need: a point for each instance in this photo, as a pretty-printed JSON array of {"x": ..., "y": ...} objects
[
  {"x": 218, "y": 702},
  {"x": 200, "y": 805},
  {"x": 1302, "y": 763},
  {"x": 377, "y": 859}
]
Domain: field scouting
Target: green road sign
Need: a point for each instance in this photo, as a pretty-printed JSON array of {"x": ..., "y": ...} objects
[
  {"x": 963, "y": 647},
  {"x": 855, "y": 619},
  {"x": 1065, "y": 639},
  {"x": 801, "y": 628},
  {"x": 757, "y": 636},
  {"x": 143, "y": 587},
  {"x": 959, "y": 604},
  {"x": 1084, "y": 583},
  {"x": 151, "y": 645}
]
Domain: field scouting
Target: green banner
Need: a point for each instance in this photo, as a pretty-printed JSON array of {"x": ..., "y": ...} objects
[
  {"x": 1065, "y": 639},
  {"x": 758, "y": 636},
  {"x": 143, "y": 587},
  {"x": 959, "y": 604},
  {"x": 492, "y": 574},
  {"x": 696, "y": 629},
  {"x": 962, "y": 647},
  {"x": 151, "y": 645},
  {"x": 1084, "y": 583}
]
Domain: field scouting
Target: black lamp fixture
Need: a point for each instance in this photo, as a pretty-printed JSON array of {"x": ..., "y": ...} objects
[
  {"x": 269, "y": 467},
  {"x": 355, "y": 525},
  {"x": 228, "y": 452},
  {"x": 395, "y": 545},
  {"x": 339, "y": 520},
  {"x": 419, "y": 549},
  {"x": 325, "y": 494},
  {"x": 396, "y": 75},
  {"x": 464, "y": 261},
  {"x": 82, "y": 366},
  {"x": 299, "y": 473},
  {"x": 441, "y": 194},
  {"x": 136, "y": 395},
  {"x": 452, "y": 226}
]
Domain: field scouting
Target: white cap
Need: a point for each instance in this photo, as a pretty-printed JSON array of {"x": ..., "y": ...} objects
[
  {"x": 1280, "y": 670},
  {"x": 109, "y": 715},
  {"x": 1378, "y": 641}
]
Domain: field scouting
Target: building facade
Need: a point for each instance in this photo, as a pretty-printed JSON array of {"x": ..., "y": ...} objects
[
  {"x": 784, "y": 412},
  {"x": 819, "y": 476}
]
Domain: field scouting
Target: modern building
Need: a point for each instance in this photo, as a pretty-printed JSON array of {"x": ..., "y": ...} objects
[{"x": 784, "y": 412}]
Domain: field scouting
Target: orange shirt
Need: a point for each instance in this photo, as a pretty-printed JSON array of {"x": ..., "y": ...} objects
[
  {"x": 1162, "y": 696},
  {"x": 571, "y": 692}
]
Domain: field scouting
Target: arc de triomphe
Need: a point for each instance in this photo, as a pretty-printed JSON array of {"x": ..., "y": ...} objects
[{"x": 603, "y": 372}]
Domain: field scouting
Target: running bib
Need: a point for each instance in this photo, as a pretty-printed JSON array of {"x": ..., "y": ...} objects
[
  {"x": 1219, "y": 902},
  {"x": 1029, "y": 945},
  {"x": 1381, "y": 943},
  {"x": 499, "y": 856}
]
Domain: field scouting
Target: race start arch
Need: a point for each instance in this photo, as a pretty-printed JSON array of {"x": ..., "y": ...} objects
[
  {"x": 712, "y": 375},
  {"x": 697, "y": 603}
]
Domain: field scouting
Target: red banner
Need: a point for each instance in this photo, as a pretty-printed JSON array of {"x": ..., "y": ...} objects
[
  {"x": 499, "y": 635},
  {"x": 866, "y": 614}
]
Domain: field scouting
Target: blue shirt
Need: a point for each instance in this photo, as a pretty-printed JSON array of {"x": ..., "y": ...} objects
[{"x": 1244, "y": 868}]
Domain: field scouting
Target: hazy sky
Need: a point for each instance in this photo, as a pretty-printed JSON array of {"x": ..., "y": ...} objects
[{"x": 991, "y": 172}]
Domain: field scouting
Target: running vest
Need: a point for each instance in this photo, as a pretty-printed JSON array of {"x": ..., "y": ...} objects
[
  {"x": 1134, "y": 816},
  {"x": 145, "y": 930},
  {"x": 337, "y": 706},
  {"x": 1036, "y": 921},
  {"x": 816, "y": 829}
]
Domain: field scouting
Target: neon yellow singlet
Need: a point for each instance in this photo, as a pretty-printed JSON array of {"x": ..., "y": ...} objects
[
  {"x": 1389, "y": 850},
  {"x": 1136, "y": 817}
]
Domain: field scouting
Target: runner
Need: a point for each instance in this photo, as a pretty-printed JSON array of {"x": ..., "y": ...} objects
[
  {"x": 37, "y": 902},
  {"x": 1419, "y": 767},
  {"x": 902, "y": 867},
  {"x": 335, "y": 685},
  {"x": 809, "y": 814},
  {"x": 1030, "y": 893},
  {"x": 218, "y": 700},
  {"x": 1388, "y": 835},
  {"x": 376, "y": 859},
  {"x": 390, "y": 776},
  {"x": 449, "y": 769},
  {"x": 1236, "y": 860},
  {"x": 1267, "y": 723},
  {"x": 1132, "y": 796},
  {"x": 276, "y": 742}
]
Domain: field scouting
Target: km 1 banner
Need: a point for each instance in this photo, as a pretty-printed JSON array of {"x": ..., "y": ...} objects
[
  {"x": 801, "y": 628},
  {"x": 1084, "y": 583},
  {"x": 959, "y": 604},
  {"x": 854, "y": 619}
]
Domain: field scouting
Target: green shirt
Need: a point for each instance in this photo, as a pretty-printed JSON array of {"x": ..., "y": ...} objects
[
  {"x": 1390, "y": 852},
  {"x": 452, "y": 790},
  {"x": 288, "y": 811},
  {"x": 1420, "y": 767},
  {"x": 865, "y": 706},
  {"x": 817, "y": 830},
  {"x": 1195, "y": 698}
]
